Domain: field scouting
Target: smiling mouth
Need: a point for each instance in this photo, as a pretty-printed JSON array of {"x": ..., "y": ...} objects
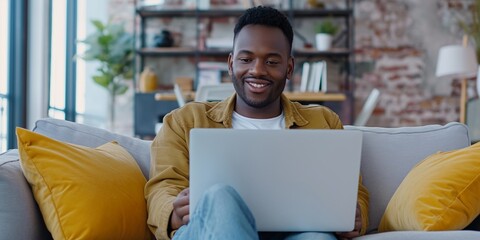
[
  {"x": 257, "y": 82},
  {"x": 257, "y": 85}
]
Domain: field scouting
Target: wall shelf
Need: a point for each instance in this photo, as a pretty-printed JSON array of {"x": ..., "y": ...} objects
[
  {"x": 181, "y": 52},
  {"x": 294, "y": 96}
]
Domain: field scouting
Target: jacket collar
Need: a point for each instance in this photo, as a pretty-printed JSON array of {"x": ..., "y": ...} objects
[{"x": 222, "y": 112}]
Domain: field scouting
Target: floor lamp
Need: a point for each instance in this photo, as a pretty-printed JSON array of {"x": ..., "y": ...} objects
[{"x": 458, "y": 61}]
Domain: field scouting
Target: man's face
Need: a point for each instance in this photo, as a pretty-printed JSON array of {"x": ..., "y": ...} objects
[{"x": 259, "y": 66}]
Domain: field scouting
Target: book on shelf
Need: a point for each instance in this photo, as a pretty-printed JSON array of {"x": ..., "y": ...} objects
[
  {"x": 314, "y": 77},
  {"x": 311, "y": 76},
  {"x": 212, "y": 73},
  {"x": 222, "y": 66},
  {"x": 219, "y": 43},
  {"x": 321, "y": 77},
  {"x": 323, "y": 85},
  {"x": 220, "y": 35},
  {"x": 231, "y": 4},
  {"x": 305, "y": 76},
  {"x": 208, "y": 77}
]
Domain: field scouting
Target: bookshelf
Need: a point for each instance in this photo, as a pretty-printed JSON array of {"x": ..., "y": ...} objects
[{"x": 164, "y": 101}]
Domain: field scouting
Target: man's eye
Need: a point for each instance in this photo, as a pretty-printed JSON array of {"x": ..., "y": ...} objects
[
  {"x": 244, "y": 60},
  {"x": 272, "y": 62}
]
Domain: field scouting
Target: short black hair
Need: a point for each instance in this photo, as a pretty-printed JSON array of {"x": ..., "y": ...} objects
[{"x": 267, "y": 16}]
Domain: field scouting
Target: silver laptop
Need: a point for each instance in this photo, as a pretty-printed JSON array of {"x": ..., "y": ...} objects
[{"x": 292, "y": 180}]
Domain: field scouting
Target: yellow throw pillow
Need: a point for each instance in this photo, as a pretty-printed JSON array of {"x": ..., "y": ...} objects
[
  {"x": 85, "y": 193},
  {"x": 440, "y": 193}
]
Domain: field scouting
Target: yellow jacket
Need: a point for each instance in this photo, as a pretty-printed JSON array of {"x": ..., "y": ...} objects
[{"x": 169, "y": 162}]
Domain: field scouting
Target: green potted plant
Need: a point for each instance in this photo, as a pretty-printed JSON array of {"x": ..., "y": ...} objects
[
  {"x": 471, "y": 27},
  {"x": 324, "y": 32},
  {"x": 113, "y": 48}
]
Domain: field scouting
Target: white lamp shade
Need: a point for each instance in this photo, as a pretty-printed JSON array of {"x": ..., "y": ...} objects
[{"x": 456, "y": 60}]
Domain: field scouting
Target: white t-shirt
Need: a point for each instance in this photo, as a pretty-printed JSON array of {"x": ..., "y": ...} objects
[{"x": 241, "y": 122}]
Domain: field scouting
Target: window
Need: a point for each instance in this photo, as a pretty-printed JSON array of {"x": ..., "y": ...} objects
[
  {"x": 4, "y": 23},
  {"x": 91, "y": 99},
  {"x": 58, "y": 59},
  {"x": 73, "y": 95},
  {"x": 13, "y": 45}
]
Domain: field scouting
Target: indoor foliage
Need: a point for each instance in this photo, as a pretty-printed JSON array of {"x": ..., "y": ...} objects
[
  {"x": 471, "y": 26},
  {"x": 113, "y": 48}
]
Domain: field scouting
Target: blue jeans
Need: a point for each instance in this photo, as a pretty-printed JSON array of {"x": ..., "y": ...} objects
[{"x": 222, "y": 214}]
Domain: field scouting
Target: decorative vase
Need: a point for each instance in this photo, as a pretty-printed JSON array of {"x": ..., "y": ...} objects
[
  {"x": 148, "y": 80},
  {"x": 323, "y": 41},
  {"x": 164, "y": 39},
  {"x": 316, "y": 4}
]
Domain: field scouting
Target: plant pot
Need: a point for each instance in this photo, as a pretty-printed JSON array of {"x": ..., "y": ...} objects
[{"x": 323, "y": 41}]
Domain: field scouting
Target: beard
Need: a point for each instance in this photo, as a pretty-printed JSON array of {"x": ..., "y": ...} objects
[{"x": 257, "y": 103}]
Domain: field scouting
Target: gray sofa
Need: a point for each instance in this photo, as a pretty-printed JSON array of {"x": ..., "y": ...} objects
[{"x": 387, "y": 156}]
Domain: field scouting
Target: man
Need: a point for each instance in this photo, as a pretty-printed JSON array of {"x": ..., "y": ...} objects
[{"x": 259, "y": 66}]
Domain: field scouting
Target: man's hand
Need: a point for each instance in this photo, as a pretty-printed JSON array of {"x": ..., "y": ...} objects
[
  {"x": 356, "y": 229},
  {"x": 181, "y": 210}
]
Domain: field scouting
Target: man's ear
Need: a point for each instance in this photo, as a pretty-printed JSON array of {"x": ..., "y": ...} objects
[
  {"x": 230, "y": 63},
  {"x": 290, "y": 67}
]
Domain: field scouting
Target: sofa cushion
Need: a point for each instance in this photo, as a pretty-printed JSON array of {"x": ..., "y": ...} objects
[
  {"x": 421, "y": 235},
  {"x": 440, "y": 193},
  {"x": 19, "y": 214},
  {"x": 85, "y": 135},
  {"x": 85, "y": 193},
  {"x": 388, "y": 154}
]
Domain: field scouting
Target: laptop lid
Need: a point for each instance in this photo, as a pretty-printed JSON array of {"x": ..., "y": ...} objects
[{"x": 292, "y": 180}]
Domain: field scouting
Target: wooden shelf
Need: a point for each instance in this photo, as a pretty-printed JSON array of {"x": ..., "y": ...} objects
[
  {"x": 181, "y": 52},
  {"x": 170, "y": 96},
  {"x": 313, "y": 52},
  {"x": 185, "y": 51},
  {"x": 179, "y": 12},
  {"x": 315, "y": 97},
  {"x": 189, "y": 12},
  {"x": 294, "y": 96},
  {"x": 322, "y": 12}
]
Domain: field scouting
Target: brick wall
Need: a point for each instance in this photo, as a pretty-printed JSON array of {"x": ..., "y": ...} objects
[
  {"x": 122, "y": 11},
  {"x": 397, "y": 44}
]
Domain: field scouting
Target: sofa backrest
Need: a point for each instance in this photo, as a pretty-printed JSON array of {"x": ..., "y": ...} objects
[
  {"x": 85, "y": 135},
  {"x": 388, "y": 154}
]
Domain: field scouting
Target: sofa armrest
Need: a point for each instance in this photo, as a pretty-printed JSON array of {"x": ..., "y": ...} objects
[{"x": 20, "y": 216}]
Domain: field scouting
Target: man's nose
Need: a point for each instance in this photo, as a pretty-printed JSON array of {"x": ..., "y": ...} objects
[{"x": 258, "y": 68}]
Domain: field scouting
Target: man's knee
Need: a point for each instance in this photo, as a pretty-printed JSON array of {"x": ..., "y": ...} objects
[
  {"x": 221, "y": 191},
  {"x": 220, "y": 199}
]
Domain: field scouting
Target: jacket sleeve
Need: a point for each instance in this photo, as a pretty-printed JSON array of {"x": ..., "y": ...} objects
[
  {"x": 363, "y": 196},
  {"x": 363, "y": 199},
  {"x": 168, "y": 174}
]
